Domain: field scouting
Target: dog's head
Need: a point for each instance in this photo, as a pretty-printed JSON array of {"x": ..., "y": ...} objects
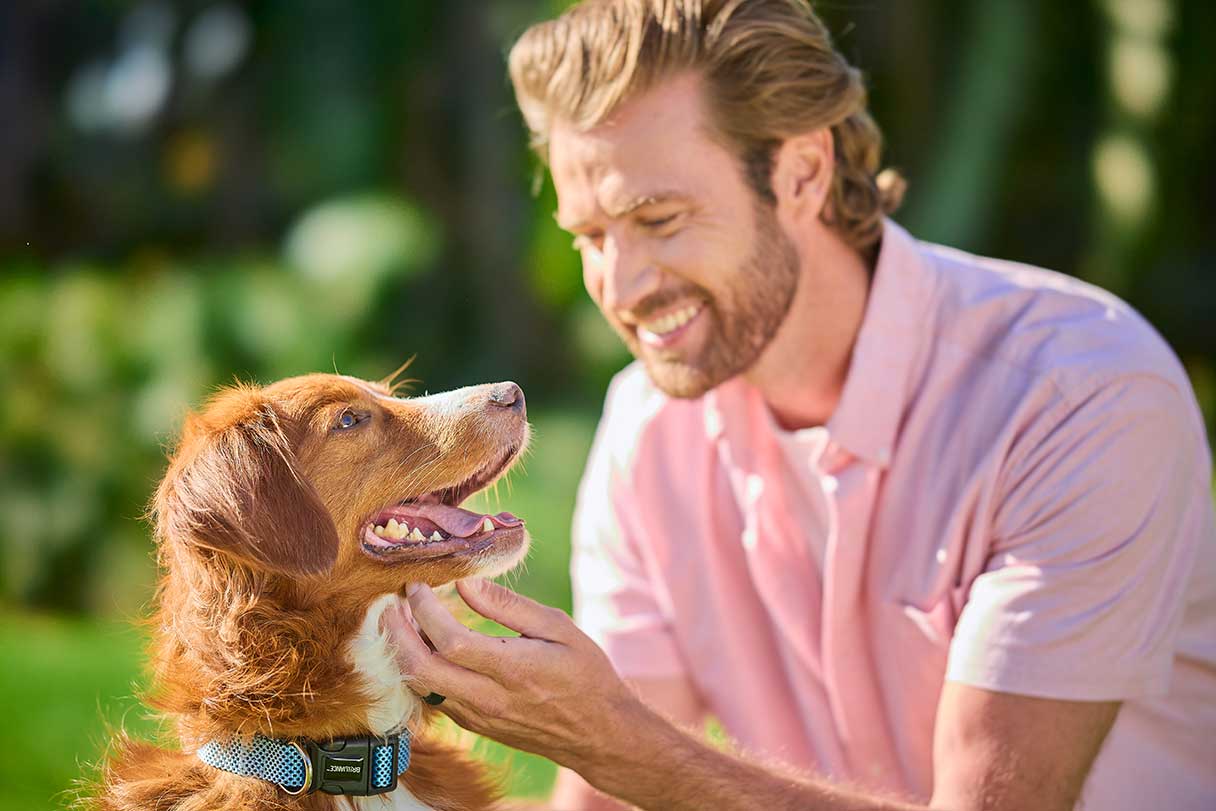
[{"x": 334, "y": 481}]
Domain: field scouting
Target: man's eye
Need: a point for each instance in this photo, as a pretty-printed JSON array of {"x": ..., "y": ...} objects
[
  {"x": 348, "y": 419},
  {"x": 658, "y": 222}
]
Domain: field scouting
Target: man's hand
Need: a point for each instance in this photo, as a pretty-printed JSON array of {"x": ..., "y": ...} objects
[{"x": 551, "y": 691}]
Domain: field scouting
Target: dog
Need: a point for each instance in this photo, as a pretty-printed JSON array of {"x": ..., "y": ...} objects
[{"x": 289, "y": 518}]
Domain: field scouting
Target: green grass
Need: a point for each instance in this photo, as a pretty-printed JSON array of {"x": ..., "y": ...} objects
[
  {"x": 65, "y": 681},
  {"x": 62, "y": 683}
]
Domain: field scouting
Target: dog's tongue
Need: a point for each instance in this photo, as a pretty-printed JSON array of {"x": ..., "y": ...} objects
[{"x": 458, "y": 522}]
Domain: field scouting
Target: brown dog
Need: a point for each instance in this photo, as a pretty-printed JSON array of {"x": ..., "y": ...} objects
[{"x": 289, "y": 518}]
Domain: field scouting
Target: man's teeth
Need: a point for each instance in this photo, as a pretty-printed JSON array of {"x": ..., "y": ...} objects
[{"x": 672, "y": 321}]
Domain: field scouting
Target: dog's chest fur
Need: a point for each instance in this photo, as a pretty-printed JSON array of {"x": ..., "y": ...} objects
[
  {"x": 399, "y": 800},
  {"x": 393, "y": 705},
  {"x": 373, "y": 657}
]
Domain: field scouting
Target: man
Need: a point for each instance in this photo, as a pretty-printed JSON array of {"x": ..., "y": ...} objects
[{"x": 910, "y": 523}]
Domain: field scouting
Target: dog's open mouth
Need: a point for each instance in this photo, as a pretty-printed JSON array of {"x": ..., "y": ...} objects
[{"x": 434, "y": 526}]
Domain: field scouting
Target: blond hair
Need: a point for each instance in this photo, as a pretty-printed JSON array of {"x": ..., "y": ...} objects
[{"x": 768, "y": 68}]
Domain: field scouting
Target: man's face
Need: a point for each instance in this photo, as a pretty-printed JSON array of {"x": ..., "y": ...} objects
[{"x": 686, "y": 263}]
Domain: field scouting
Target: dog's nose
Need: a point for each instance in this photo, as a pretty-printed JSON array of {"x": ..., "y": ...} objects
[{"x": 508, "y": 395}]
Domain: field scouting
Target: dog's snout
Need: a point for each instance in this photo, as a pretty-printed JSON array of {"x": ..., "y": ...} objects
[{"x": 508, "y": 395}]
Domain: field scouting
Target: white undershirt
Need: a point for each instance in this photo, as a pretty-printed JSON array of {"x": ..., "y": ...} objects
[{"x": 807, "y": 487}]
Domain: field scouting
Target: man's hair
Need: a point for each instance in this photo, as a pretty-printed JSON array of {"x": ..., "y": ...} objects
[{"x": 769, "y": 72}]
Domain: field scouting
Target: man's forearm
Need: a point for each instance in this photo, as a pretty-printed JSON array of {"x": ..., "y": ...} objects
[{"x": 659, "y": 767}]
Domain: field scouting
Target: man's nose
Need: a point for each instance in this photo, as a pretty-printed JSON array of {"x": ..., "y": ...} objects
[{"x": 629, "y": 276}]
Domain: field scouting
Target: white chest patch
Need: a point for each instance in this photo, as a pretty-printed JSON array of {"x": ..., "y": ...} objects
[
  {"x": 393, "y": 704},
  {"x": 393, "y": 707}
]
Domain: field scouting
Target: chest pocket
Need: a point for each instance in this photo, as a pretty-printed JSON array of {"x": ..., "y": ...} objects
[{"x": 932, "y": 622}]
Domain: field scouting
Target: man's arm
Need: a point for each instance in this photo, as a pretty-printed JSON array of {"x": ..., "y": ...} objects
[
  {"x": 674, "y": 698},
  {"x": 999, "y": 750},
  {"x": 553, "y": 692},
  {"x": 993, "y": 751}
]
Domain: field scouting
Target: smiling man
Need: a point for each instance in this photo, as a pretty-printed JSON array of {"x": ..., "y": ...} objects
[{"x": 918, "y": 527}]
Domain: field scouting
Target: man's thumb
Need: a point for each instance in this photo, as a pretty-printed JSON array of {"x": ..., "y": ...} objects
[{"x": 513, "y": 610}]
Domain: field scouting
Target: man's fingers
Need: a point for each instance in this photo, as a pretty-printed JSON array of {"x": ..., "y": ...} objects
[
  {"x": 421, "y": 669},
  {"x": 515, "y": 611},
  {"x": 397, "y": 622},
  {"x": 452, "y": 640}
]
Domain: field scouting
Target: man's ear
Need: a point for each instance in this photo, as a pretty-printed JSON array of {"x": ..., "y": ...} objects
[
  {"x": 233, "y": 487},
  {"x": 802, "y": 173}
]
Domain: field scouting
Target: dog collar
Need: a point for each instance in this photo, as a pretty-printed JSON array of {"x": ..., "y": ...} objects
[{"x": 358, "y": 766}]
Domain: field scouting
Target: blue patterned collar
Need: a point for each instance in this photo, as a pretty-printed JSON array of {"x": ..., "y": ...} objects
[{"x": 358, "y": 766}]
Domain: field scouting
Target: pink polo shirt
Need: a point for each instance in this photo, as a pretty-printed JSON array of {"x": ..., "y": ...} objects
[{"x": 1014, "y": 493}]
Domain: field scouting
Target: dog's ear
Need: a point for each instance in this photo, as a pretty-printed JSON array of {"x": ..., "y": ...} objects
[{"x": 233, "y": 487}]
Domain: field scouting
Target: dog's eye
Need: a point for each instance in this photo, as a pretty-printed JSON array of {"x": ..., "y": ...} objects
[{"x": 348, "y": 419}]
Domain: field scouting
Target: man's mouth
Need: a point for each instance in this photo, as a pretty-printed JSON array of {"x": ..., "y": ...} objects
[
  {"x": 434, "y": 525},
  {"x": 667, "y": 328}
]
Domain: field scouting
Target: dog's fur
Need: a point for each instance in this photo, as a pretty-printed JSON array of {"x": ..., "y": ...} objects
[{"x": 268, "y": 609}]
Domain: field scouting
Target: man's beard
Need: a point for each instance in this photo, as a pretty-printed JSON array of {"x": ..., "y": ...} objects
[{"x": 742, "y": 320}]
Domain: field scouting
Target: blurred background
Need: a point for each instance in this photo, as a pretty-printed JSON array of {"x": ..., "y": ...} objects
[{"x": 195, "y": 192}]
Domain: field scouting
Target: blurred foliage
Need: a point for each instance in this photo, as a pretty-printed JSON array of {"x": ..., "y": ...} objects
[
  {"x": 108, "y": 362},
  {"x": 198, "y": 191},
  {"x": 194, "y": 192}
]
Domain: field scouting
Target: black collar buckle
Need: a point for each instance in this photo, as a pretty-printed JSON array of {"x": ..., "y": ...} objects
[{"x": 357, "y": 766}]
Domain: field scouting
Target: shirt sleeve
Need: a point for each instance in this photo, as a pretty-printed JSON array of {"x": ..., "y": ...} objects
[
  {"x": 1093, "y": 540},
  {"x": 615, "y": 597}
]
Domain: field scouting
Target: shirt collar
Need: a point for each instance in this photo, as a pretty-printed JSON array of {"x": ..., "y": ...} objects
[
  {"x": 877, "y": 386},
  {"x": 897, "y": 319}
]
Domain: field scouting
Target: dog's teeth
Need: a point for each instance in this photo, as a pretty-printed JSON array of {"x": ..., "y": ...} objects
[
  {"x": 435, "y": 536},
  {"x": 487, "y": 525},
  {"x": 379, "y": 530},
  {"x": 416, "y": 535},
  {"x": 392, "y": 528}
]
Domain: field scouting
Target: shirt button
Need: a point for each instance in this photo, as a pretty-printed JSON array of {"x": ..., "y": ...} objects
[
  {"x": 755, "y": 487},
  {"x": 713, "y": 422},
  {"x": 830, "y": 484}
]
